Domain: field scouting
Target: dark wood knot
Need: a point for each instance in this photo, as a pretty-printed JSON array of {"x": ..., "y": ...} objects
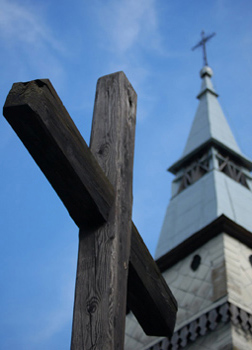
[{"x": 92, "y": 305}]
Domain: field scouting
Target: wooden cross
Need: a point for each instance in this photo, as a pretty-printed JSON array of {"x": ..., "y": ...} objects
[{"x": 95, "y": 184}]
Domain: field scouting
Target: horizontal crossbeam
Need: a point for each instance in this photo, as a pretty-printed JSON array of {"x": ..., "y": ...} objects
[{"x": 39, "y": 118}]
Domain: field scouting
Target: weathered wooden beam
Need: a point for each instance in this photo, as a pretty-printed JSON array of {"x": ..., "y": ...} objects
[
  {"x": 149, "y": 296},
  {"x": 37, "y": 115},
  {"x": 39, "y": 118},
  {"x": 102, "y": 273}
]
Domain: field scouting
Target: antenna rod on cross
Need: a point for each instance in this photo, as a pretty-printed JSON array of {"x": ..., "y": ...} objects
[{"x": 203, "y": 44}]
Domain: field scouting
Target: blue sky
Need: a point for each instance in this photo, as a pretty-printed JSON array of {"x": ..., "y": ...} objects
[{"x": 73, "y": 44}]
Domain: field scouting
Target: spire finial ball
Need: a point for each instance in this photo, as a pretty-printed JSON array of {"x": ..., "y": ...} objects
[{"x": 206, "y": 71}]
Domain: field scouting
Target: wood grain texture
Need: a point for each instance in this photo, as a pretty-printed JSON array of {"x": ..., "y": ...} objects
[
  {"x": 39, "y": 118},
  {"x": 101, "y": 284}
]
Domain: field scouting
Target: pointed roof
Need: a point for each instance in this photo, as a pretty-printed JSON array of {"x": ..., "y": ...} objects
[
  {"x": 194, "y": 206},
  {"x": 209, "y": 122},
  {"x": 209, "y": 125}
]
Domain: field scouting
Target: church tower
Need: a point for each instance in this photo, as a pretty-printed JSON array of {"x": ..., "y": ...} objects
[{"x": 205, "y": 245}]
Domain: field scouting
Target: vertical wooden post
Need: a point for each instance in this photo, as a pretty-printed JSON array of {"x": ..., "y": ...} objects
[{"x": 101, "y": 284}]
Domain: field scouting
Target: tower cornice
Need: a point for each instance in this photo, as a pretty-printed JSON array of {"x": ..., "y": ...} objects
[
  {"x": 220, "y": 225},
  {"x": 241, "y": 159}
]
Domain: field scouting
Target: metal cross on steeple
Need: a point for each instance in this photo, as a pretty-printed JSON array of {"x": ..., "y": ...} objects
[{"x": 203, "y": 44}]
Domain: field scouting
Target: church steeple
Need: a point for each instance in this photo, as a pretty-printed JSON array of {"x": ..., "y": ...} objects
[
  {"x": 207, "y": 175},
  {"x": 210, "y": 126},
  {"x": 205, "y": 245},
  {"x": 209, "y": 123}
]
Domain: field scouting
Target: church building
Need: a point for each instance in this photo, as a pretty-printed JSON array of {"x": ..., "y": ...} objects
[{"x": 205, "y": 245}]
